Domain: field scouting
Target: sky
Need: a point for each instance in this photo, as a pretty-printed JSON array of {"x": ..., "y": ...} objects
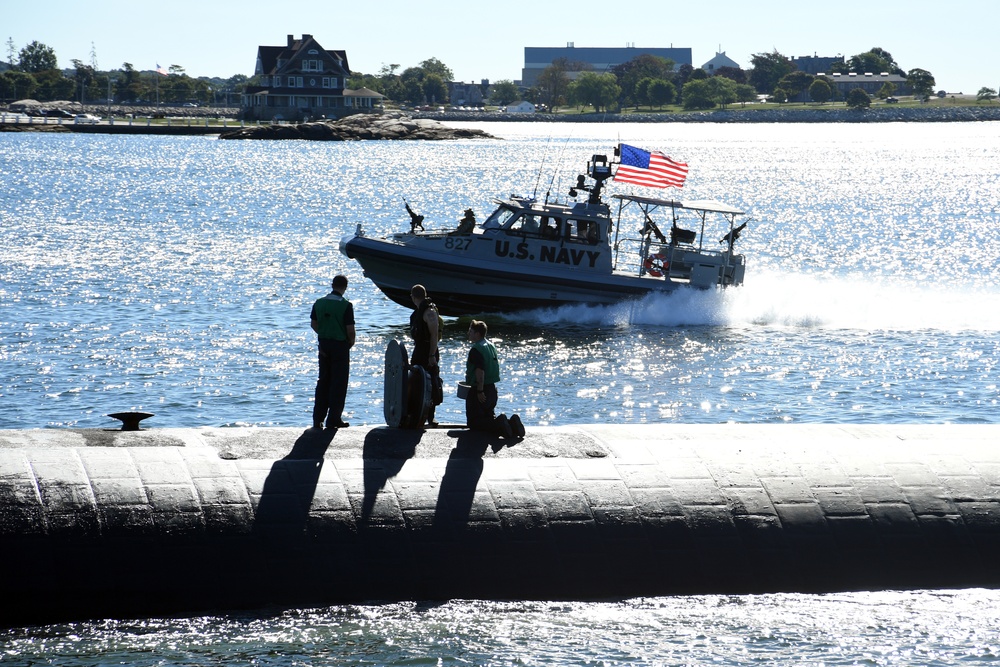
[{"x": 952, "y": 40}]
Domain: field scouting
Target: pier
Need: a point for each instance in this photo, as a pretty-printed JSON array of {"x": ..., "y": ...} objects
[{"x": 112, "y": 522}]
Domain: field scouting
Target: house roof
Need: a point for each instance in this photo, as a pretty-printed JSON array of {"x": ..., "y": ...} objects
[
  {"x": 720, "y": 60},
  {"x": 282, "y": 59},
  {"x": 362, "y": 92}
]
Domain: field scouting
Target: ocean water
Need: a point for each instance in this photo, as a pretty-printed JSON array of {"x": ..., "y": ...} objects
[{"x": 175, "y": 276}]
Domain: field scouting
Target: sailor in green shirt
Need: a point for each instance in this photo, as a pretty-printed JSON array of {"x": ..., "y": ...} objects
[
  {"x": 481, "y": 374},
  {"x": 332, "y": 319}
]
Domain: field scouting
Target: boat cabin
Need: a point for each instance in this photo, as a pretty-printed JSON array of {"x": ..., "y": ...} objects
[{"x": 528, "y": 218}]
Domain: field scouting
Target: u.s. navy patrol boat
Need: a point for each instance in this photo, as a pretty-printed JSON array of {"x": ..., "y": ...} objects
[{"x": 536, "y": 254}]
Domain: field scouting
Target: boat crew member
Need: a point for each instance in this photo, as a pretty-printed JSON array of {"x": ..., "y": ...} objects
[
  {"x": 416, "y": 220},
  {"x": 332, "y": 319},
  {"x": 482, "y": 373},
  {"x": 466, "y": 224},
  {"x": 425, "y": 327}
]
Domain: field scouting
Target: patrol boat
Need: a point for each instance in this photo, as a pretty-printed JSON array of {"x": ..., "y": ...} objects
[{"x": 538, "y": 254}]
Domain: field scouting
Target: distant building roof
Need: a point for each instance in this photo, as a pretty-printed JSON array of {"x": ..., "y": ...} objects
[
  {"x": 720, "y": 60},
  {"x": 598, "y": 58}
]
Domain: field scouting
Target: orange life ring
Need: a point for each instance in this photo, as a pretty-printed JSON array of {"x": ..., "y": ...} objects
[{"x": 654, "y": 269}]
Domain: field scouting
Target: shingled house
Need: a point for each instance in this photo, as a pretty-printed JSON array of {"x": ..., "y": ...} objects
[{"x": 302, "y": 80}]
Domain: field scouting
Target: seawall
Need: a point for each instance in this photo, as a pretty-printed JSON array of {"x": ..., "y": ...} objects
[{"x": 112, "y": 523}]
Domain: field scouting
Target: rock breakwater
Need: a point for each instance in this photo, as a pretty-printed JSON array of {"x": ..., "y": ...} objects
[{"x": 359, "y": 127}]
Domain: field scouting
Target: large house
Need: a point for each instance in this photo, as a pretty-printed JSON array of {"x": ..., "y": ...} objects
[
  {"x": 596, "y": 59},
  {"x": 303, "y": 80}
]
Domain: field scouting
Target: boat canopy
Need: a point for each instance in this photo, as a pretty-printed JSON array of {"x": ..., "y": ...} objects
[{"x": 708, "y": 205}]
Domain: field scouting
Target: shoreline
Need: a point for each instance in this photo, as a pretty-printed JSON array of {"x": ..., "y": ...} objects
[{"x": 881, "y": 114}]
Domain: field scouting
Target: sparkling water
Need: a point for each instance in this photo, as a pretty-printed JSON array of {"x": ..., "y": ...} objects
[{"x": 175, "y": 276}]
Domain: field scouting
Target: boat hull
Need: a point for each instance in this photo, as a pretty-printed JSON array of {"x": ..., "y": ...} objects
[{"x": 480, "y": 286}]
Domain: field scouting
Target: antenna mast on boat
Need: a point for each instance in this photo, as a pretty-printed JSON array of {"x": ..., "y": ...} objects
[{"x": 598, "y": 169}]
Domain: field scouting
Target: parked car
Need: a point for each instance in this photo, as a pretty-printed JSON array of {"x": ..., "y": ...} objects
[
  {"x": 891, "y": 100},
  {"x": 87, "y": 119}
]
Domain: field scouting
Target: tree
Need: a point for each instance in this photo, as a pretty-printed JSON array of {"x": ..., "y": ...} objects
[
  {"x": 820, "y": 91},
  {"x": 598, "y": 90},
  {"x": 640, "y": 95},
  {"x": 642, "y": 67},
  {"x": 921, "y": 82},
  {"x": 722, "y": 90},
  {"x": 736, "y": 74},
  {"x": 11, "y": 53},
  {"x": 20, "y": 85},
  {"x": 857, "y": 98},
  {"x": 768, "y": 68},
  {"x": 986, "y": 94},
  {"x": 435, "y": 90},
  {"x": 52, "y": 85},
  {"x": 794, "y": 83},
  {"x": 435, "y": 66},
  {"x": 874, "y": 61},
  {"x": 412, "y": 81},
  {"x": 504, "y": 92},
  {"x": 697, "y": 95},
  {"x": 37, "y": 57},
  {"x": 660, "y": 92},
  {"x": 553, "y": 82},
  {"x": 887, "y": 89},
  {"x": 745, "y": 93},
  {"x": 83, "y": 76}
]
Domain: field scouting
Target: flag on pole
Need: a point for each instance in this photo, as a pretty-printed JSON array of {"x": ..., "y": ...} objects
[
  {"x": 160, "y": 70},
  {"x": 653, "y": 170}
]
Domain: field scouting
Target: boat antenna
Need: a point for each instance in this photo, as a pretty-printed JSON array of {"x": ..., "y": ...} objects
[
  {"x": 556, "y": 171},
  {"x": 548, "y": 142}
]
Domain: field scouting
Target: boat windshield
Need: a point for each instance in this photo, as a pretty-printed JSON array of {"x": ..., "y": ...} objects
[{"x": 499, "y": 218}]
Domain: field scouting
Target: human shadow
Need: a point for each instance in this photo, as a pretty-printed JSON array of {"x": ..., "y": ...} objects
[
  {"x": 385, "y": 452},
  {"x": 288, "y": 489},
  {"x": 457, "y": 494}
]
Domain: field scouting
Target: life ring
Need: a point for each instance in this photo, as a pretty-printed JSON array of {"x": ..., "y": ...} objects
[{"x": 656, "y": 265}]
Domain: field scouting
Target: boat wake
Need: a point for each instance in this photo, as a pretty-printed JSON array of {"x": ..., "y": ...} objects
[{"x": 798, "y": 301}]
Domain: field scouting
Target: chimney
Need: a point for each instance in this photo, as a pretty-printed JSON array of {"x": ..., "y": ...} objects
[{"x": 291, "y": 41}]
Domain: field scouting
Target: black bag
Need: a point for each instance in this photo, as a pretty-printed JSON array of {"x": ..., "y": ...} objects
[{"x": 437, "y": 390}]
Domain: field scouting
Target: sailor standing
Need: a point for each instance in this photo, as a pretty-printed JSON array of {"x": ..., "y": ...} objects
[
  {"x": 426, "y": 331},
  {"x": 332, "y": 318}
]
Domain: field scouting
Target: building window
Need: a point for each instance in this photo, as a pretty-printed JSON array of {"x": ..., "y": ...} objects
[
  {"x": 298, "y": 82},
  {"x": 291, "y": 82},
  {"x": 277, "y": 82},
  {"x": 326, "y": 82},
  {"x": 333, "y": 82}
]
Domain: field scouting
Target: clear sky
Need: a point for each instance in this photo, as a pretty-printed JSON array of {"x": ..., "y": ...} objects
[{"x": 953, "y": 39}]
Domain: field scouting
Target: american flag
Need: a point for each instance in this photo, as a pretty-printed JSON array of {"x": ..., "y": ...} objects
[
  {"x": 653, "y": 170},
  {"x": 160, "y": 70}
]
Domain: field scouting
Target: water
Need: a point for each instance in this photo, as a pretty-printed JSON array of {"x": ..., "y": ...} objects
[{"x": 175, "y": 276}]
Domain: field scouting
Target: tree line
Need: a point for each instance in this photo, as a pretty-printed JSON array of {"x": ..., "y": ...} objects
[
  {"x": 33, "y": 72},
  {"x": 644, "y": 82},
  {"x": 651, "y": 82}
]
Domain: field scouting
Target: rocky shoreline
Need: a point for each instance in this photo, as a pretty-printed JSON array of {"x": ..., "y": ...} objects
[{"x": 389, "y": 126}]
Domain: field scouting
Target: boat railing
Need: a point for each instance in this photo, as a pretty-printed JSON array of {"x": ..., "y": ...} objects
[{"x": 638, "y": 255}]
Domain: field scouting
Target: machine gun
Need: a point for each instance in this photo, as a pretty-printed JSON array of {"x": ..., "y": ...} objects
[{"x": 732, "y": 236}]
